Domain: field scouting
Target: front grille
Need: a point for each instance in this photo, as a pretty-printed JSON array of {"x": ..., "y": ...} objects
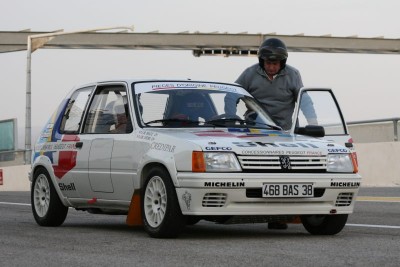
[
  {"x": 344, "y": 199},
  {"x": 257, "y": 192},
  {"x": 214, "y": 200},
  {"x": 273, "y": 163}
]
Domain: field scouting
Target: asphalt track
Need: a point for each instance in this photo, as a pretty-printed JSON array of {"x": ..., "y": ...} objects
[{"x": 371, "y": 238}]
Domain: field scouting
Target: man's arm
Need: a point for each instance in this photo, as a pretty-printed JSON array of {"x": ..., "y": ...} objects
[{"x": 306, "y": 105}]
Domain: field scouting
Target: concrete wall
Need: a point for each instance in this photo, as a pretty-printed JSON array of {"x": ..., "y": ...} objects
[
  {"x": 379, "y": 165},
  {"x": 372, "y": 133},
  {"x": 15, "y": 178}
]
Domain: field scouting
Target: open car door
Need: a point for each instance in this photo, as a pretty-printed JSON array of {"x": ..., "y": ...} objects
[{"x": 319, "y": 107}]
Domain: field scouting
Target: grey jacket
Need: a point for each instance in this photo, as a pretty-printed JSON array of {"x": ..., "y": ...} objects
[{"x": 277, "y": 96}]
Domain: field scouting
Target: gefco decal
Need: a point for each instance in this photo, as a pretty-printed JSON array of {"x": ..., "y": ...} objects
[
  {"x": 218, "y": 148},
  {"x": 224, "y": 184},
  {"x": 56, "y": 146},
  {"x": 338, "y": 150},
  {"x": 345, "y": 184}
]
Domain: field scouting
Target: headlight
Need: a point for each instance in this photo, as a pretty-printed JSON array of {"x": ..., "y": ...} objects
[
  {"x": 214, "y": 162},
  {"x": 340, "y": 163}
]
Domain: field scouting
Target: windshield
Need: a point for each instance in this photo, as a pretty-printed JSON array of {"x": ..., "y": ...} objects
[{"x": 196, "y": 104}]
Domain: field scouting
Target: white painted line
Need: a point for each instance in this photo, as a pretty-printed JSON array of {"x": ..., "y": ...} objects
[
  {"x": 17, "y": 204},
  {"x": 378, "y": 199},
  {"x": 374, "y": 226}
]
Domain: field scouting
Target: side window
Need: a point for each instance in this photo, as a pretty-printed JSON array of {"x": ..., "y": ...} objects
[
  {"x": 73, "y": 113},
  {"x": 109, "y": 111}
]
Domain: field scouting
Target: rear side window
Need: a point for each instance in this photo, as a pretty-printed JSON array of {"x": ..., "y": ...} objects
[
  {"x": 109, "y": 111},
  {"x": 73, "y": 113}
]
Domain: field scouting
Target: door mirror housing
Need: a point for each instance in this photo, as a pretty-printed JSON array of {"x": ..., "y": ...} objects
[{"x": 311, "y": 130}]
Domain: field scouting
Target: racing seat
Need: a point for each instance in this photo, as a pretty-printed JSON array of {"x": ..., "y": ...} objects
[
  {"x": 123, "y": 123},
  {"x": 120, "y": 119},
  {"x": 191, "y": 106},
  {"x": 105, "y": 119}
]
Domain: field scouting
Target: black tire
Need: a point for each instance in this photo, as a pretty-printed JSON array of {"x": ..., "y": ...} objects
[
  {"x": 47, "y": 207},
  {"x": 324, "y": 224},
  {"x": 161, "y": 213}
]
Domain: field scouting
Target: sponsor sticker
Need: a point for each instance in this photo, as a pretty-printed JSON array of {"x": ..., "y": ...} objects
[
  {"x": 345, "y": 184},
  {"x": 218, "y": 148},
  {"x": 162, "y": 147},
  {"x": 187, "y": 197},
  {"x": 56, "y": 146},
  {"x": 67, "y": 187},
  {"x": 146, "y": 135},
  {"x": 224, "y": 184}
]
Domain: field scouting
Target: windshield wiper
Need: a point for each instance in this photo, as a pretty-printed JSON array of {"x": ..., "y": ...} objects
[
  {"x": 166, "y": 121},
  {"x": 221, "y": 122}
]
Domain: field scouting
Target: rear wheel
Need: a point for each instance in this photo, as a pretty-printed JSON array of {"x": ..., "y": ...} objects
[
  {"x": 47, "y": 207},
  {"x": 162, "y": 216},
  {"x": 324, "y": 224}
]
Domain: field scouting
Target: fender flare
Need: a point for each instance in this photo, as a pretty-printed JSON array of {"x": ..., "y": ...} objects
[{"x": 44, "y": 162}]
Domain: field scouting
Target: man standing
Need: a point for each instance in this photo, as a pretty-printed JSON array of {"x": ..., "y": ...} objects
[{"x": 275, "y": 84}]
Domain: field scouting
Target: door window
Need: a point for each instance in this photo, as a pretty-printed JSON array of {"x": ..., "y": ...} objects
[
  {"x": 326, "y": 110},
  {"x": 74, "y": 111},
  {"x": 109, "y": 111}
]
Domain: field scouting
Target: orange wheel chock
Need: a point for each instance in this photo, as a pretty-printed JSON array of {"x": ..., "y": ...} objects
[{"x": 134, "y": 217}]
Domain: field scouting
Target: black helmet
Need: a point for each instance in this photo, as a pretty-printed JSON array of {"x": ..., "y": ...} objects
[{"x": 273, "y": 49}]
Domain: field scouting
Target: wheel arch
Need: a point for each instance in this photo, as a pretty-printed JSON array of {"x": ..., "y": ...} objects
[
  {"x": 150, "y": 166},
  {"x": 44, "y": 163}
]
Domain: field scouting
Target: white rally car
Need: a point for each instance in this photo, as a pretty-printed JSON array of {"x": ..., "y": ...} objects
[{"x": 168, "y": 153}]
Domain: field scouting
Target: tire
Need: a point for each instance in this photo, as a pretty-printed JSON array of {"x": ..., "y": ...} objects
[
  {"x": 324, "y": 224},
  {"x": 47, "y": 207},
  {"x": 161, "y": 213}
]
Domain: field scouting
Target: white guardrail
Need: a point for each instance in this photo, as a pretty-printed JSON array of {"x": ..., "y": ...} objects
[{"x": 376, "y": 142}]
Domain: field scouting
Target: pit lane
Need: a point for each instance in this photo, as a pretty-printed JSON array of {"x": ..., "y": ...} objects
[{"x": 370, "y": 238}]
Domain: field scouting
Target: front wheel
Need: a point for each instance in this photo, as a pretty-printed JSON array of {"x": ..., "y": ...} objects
[
  {"x": 162, "y": 216},
  {"x": 47, "y": 207},
  {"x": 324, "y": 224}
]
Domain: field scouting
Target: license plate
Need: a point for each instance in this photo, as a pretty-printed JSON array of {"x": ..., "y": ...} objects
[{"x": 287, "y": 190}]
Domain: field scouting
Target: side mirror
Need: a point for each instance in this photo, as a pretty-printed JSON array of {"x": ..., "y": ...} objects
[{"x": 311, "y": 130}]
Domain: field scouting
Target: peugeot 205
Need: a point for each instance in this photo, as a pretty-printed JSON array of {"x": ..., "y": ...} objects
[{"x": 169, "y": 153}]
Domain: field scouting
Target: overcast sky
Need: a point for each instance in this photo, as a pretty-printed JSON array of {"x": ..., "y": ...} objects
[{"x": 366, "y": 86}]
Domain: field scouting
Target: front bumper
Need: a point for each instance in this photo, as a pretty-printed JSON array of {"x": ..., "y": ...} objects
[{"x": 240, "y": 194}]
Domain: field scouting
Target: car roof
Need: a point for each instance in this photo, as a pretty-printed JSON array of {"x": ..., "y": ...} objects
[{"x": 133, "y": 80}]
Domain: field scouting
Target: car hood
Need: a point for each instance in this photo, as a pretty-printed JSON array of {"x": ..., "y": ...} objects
[{"x": 253, "y": 141}]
